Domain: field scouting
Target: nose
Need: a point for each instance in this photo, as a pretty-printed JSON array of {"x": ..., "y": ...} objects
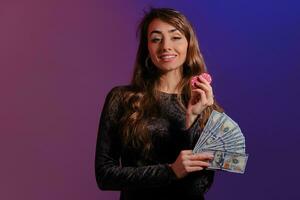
[{"x": 166, "y": 44}]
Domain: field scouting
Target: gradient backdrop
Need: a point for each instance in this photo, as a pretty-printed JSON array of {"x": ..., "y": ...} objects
[{"x": 59, "y": 58}]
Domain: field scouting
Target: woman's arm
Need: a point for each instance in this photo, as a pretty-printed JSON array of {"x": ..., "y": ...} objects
[
  {"x": 193, "y": 132},
  {"x": 201, "y": 98}
]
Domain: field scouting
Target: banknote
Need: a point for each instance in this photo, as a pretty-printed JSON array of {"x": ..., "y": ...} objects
[
  {"x": 218, "y": 126},
  {"x": 228, "y": 161},
  {"x": 223, "y": 137}
]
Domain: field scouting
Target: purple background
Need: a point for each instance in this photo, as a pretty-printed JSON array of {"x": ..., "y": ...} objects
[{"x": 59, "y": 58}]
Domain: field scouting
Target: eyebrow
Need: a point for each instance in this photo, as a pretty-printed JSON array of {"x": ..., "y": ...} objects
[{"x": 159, "y": 32}]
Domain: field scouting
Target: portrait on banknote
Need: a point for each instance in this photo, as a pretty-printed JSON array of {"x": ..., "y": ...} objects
[{"x": 217, "y": 162}]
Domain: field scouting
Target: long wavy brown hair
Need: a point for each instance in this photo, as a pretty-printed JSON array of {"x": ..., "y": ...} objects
[{"x": 141, "y": 100}]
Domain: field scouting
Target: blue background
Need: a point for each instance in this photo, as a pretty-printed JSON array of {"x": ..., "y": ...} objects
[{"x": 59, "y": 58}]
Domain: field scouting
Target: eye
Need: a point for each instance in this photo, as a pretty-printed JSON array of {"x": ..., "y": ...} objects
[
  {"x": 155, "y": 40},
  {"x": 176, "y": 38}
]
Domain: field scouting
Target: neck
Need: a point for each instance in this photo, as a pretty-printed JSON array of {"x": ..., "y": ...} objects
[{"x": 168, "y": 82}]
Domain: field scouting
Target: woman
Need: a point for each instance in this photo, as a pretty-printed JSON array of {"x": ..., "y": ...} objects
[{"x": 148, "y": 129}]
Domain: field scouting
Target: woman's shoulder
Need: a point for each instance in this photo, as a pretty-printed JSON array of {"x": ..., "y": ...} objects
[
  {"x": 119, "y": 92},
  {"x": 120, "y": 89}
]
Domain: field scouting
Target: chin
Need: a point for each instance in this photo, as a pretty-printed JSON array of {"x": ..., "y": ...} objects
[{"x": 166, "y": 67}]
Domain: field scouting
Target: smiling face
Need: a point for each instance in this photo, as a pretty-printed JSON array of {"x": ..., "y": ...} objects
[{"x": 167, "y": 46}]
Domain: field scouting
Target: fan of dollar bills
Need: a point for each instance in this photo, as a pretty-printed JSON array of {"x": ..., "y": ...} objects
[{"x": 223, "y": 138}]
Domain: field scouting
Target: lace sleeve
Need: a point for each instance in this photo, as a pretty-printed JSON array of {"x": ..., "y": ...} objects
[{"x": 110, "y": 175}]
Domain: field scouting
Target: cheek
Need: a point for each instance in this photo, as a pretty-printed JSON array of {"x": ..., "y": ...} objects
[
  {"x": 152, "y": 50},
  {"x": 183, "y": 53},
  {"x": 152, "y": 56},
  {"x": 183, "y": 49},
  {"x": 152, "y": 53}
]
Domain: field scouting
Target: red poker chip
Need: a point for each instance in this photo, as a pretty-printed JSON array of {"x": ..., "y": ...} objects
[{"x": 206, "y": 76}]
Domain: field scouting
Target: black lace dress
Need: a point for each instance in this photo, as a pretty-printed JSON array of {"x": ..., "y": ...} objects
[{"x": 129, "y": 171}]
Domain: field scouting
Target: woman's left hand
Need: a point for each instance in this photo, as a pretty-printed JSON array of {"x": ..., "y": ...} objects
[{"x": 201, "y": 97}]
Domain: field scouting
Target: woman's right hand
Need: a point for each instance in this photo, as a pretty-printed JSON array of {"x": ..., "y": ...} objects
[{"x": 187, "y": 162}]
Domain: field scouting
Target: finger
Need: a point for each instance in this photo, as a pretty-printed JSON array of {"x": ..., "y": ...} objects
[
  {"x": 196, "y": 163},
  {"x": 202, "y": 156},
  {"x": 202, "y": 94},
  {"x": 205, "y": 85},
  {"x": 193, "y": 169},
  {"x": 203, "y": 80},
  {"x": 207, "y": 99},
  {"x": 186, "y": 152},
  {"x": 206, "y": 88},
  {"x": 196, "y": 95}
]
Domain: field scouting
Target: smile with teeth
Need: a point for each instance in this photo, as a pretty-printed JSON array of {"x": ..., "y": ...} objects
[{"x": 167, "y": 57}]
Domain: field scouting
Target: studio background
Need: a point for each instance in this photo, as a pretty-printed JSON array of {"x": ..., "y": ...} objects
[{"x": 59, "y": 58}]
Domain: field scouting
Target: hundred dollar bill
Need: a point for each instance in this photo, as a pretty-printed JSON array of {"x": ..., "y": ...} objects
[
  {"x": 211, "y": 126},
  {"x": 228, "y": 161},
  {"x": 235, "y": 163},
  {"x": 219, "y": 126}
]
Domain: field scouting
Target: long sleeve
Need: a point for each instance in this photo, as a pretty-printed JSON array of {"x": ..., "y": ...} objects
[
  {"x": 193, "y": 133},
  {"x": 110, "y": 175}
]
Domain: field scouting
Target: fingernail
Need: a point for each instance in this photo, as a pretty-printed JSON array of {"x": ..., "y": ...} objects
[{"x": 201, "y": 76}]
